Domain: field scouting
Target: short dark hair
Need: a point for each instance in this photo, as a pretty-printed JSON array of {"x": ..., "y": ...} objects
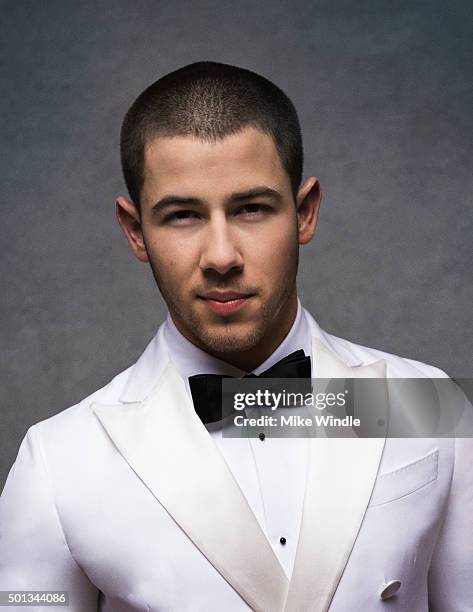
[{"x": 209, "y": 100}]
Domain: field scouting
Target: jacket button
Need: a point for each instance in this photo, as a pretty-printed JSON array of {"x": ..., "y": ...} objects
[
  {"x": 262, "y": 436},
  {"x": 389, "y": 589}
]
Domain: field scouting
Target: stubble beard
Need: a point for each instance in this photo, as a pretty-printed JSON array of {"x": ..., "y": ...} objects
[{"x": 225, "y": 339}]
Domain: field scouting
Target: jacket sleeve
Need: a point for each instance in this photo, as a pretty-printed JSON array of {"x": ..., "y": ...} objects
[
  {"x": 34, "y": 555},
  {"x": 451, "y": 572}
]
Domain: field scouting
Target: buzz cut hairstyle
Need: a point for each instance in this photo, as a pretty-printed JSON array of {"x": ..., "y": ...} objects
[{"x": 209, "y": 101}]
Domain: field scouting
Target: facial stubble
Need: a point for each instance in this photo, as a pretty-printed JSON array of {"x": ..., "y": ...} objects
[{"x": 226, "y": 339}]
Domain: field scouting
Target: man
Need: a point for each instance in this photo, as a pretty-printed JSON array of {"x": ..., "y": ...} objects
[{"x": 131, "y": 501}]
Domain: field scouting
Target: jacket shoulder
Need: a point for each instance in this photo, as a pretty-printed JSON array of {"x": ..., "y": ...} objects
[
  {"x": 80, "y": 417},
  {"x": 355, "y": 354},
  {"x": 77, "y": 416},
  {"x": 397, "y": 365}
]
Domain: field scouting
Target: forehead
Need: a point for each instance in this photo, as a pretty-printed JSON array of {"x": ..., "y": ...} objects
[{"x": 187, "y": 165}]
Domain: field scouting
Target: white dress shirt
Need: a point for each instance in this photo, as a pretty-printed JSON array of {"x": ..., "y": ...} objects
[{"x": 272, "y": 472}]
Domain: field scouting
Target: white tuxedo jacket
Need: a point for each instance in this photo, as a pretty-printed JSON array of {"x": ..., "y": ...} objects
[{"x": 125, "y": 502}]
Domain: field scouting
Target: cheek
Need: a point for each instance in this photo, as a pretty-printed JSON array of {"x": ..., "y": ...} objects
[
  {"x": 172, "y": 260},
  {"x": 275, "y": 251}
]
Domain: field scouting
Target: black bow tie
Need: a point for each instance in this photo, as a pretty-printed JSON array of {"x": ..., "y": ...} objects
[{"x": 206, "y": 389}]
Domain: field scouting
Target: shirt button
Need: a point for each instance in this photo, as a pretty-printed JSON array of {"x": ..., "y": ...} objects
[
  {"x": 389, "y": 589},
  {"x": 262, "y": 436},
  {"x": 282, "y": 540}
]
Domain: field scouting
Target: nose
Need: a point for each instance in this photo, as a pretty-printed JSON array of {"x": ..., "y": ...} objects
[{"x": 219, "y": 250}]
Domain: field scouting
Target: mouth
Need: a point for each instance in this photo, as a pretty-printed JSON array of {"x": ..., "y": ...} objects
[{"x": 225, "y": 302}]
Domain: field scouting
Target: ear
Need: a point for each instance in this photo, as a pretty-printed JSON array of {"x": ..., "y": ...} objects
[
  {"x": 129, "y": 219},
  {"x": 308, "y": 201}
]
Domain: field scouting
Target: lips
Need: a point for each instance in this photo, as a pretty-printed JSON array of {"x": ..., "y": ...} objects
[
  {"x": 225, "y": 302},
  {"x": 224, "y": 296}
]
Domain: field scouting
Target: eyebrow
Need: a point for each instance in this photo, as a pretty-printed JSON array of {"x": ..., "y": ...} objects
[{"x": 255, "y": 192}]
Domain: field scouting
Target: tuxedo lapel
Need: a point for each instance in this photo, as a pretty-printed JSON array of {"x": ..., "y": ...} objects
[
  {"x": 165, "y": 443},
  {"x": 170, "y": 450},
  {"x": 340, "y": 478}
]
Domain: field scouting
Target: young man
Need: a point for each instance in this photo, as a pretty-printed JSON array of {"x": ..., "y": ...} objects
[{"x": 132, "y": 501}]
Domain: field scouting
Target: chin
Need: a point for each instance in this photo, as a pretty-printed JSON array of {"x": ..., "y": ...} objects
[{"x": 227, "y": 340}]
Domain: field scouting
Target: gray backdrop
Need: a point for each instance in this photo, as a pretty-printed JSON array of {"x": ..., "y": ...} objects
[{"x": 383, "y": 90}]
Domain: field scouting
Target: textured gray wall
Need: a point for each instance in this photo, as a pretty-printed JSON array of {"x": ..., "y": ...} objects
[{"x": 383, "y": 90}]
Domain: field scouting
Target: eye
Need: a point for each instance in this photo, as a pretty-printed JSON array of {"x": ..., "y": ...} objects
[
  {"x": 180, "y": 217},
  {"x": 254, "y": 210}
]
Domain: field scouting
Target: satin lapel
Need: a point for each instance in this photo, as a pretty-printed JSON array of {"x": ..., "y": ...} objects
[
  {"x": 167, "y": 446},
  {"x": 340, "y": 480}
]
